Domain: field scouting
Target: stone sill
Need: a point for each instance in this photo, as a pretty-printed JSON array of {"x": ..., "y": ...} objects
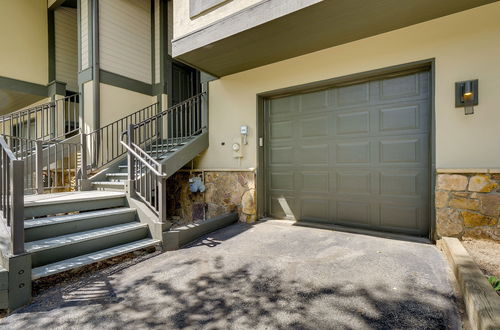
[{"x": 467, "y": 170}]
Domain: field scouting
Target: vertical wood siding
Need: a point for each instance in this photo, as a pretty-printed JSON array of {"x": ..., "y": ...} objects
[
  {"x": 125, "y": 38},
  {"x": 66, "y": 47},
  {"x": 84, "y": 27}
]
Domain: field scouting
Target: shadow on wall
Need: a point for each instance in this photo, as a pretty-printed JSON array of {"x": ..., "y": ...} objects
[{"x": 221, "y": 297}]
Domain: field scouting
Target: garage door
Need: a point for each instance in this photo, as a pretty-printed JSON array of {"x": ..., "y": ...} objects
[{"x": 355, "y": 155}]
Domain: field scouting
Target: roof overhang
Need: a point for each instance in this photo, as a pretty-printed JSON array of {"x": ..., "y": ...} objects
[{"x": 242, "y": 41}]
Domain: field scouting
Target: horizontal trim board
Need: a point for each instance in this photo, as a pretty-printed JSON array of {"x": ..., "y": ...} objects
[
  {"x": 117, "y": 80},
  {"x": 22, "y": 86},
  {"x": 198, "y": 7},
  {"x": 85, "y": 76}
]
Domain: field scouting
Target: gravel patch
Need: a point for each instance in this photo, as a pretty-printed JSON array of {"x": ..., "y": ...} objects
[{"x": 486, "y": 254}]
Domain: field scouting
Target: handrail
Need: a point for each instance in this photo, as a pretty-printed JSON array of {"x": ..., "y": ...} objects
[
  {"x": 144, "y": 145},
  {"x": 142, "y": 160},
  {"x": 12, "y": 196},
  {"x": 47, "y": 121},
  {"x": 104, "y": 143},
  {"x": 6, "y": 148},
  {"x": 48, "y": 165},
  {"x": 171, "y": 109}
]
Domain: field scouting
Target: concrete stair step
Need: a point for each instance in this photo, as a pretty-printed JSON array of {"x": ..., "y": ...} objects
[
  {"x": 63, "y": 247},
  {"x": 90, "y": 258},
  {"x": 41, "y": 228}
]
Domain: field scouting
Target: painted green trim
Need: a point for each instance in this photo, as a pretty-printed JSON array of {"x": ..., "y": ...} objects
[
  {"x": 51, "y": 44},
  {"x": 56, "y": 88},
  {"x": 153, "y": 36},
  {"x": 55, "y": 4},
  {"x": 84, "y": 76},
  {"x": 90, "y": 32},
  {"x": 96, "y": 86},
  {"x": 158, "y": 89},
  {"x": 165, "y": 58},
  {"x": 432, "y": 233},
  {"x": 79, "y": 33},
  {"x": 117, "y": 80},
  {"x": 22, "y": 86}
]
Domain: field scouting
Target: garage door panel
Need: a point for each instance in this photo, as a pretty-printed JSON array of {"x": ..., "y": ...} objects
[
  {"x": 400, "y": 151},
  {"x": 315, "y": 126},
  {"x": 354, "y": 95},
  {"x": 400, "y": 118},
  {"x": 281, "y": 130},
  {"x": 353, "y": 152},
  {"x": 407, "y": 217},
  {"x": 314, "y": 209},
  {"x": 400, "y": 87},
  {"x": 282, "y": 181},
  {"x": 353, "y": 212},
  {"x": 313, "y": 154},
  {"x": 282, "y": 155},
  {"x": 284, "y": 106},
  {"x": 282, "y": 207},
  {"x": 316, "y": 101},
  {"x": 356, "y": 155},
  {"x": 354, "y": 182},
  {"x": 352, "y": 122},
  {"x": 401, "y": 182},
  {"x": 315, "y": 181}
]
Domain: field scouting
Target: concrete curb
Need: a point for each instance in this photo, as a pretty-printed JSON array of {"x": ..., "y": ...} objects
[
  {"x": 482, "y": 303},
  {"x": 174, "y": 239}
]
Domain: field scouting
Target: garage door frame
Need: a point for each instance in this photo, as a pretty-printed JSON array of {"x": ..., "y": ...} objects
[{"x": 262, "y": 98}]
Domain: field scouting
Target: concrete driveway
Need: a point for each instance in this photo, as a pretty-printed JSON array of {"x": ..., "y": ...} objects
[{"x": 267, "y": 276}]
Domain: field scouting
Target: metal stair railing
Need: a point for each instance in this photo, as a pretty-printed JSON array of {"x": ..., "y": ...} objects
[
  {"x": 146, "y": 178},
  {"x": 47, "y": 165},
  {"x": 12, "y": 196},
  {"x": 56, "y": 119},
  {"x": 178, "y": 124},
  {"x": 104, "y": 143}
]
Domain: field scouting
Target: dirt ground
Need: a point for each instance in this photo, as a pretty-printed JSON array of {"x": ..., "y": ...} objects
[{"x": 486, "y": 254}]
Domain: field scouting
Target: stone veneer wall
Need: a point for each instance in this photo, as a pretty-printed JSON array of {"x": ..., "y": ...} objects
[
  {"x": 226, "y": 191},
  {"x": 468, "y": 204}
]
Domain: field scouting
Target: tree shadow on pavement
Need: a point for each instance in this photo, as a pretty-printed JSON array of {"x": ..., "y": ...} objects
[{"x": 239, "y": 298}]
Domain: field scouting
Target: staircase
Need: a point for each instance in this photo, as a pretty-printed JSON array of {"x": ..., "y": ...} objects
[
  {"x": 114, "y": 179},
  {"x": 70, "y": 230},
  {"x": 53, "y": 233}
]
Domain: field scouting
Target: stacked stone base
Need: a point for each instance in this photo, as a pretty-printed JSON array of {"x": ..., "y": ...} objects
[
  {"x": 468, "y": 204},
  {"x": 226, "y": 191}
]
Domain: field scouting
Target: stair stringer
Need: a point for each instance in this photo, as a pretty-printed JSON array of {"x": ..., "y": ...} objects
[{"x": 181, "y": 157}]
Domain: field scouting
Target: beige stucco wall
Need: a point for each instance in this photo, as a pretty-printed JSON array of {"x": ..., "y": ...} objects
[
  {"x": 183, "y": 24},
  {"x": 23, "y": 40},
  {"x": 465, "y": 46}
]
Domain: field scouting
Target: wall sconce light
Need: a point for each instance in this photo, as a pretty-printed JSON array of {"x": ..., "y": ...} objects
[{"x": 466, "y": 95}]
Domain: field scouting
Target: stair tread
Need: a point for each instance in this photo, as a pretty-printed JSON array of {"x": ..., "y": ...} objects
[
  {"x": 108, "y": 183},
  {"x": 58, "y": 241},
  {"x": 58, "y": 198},
  {"x": 90, "y": 258},
  {"x": 39, "y": 222},
  {"x": 117, "y": 174}
]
